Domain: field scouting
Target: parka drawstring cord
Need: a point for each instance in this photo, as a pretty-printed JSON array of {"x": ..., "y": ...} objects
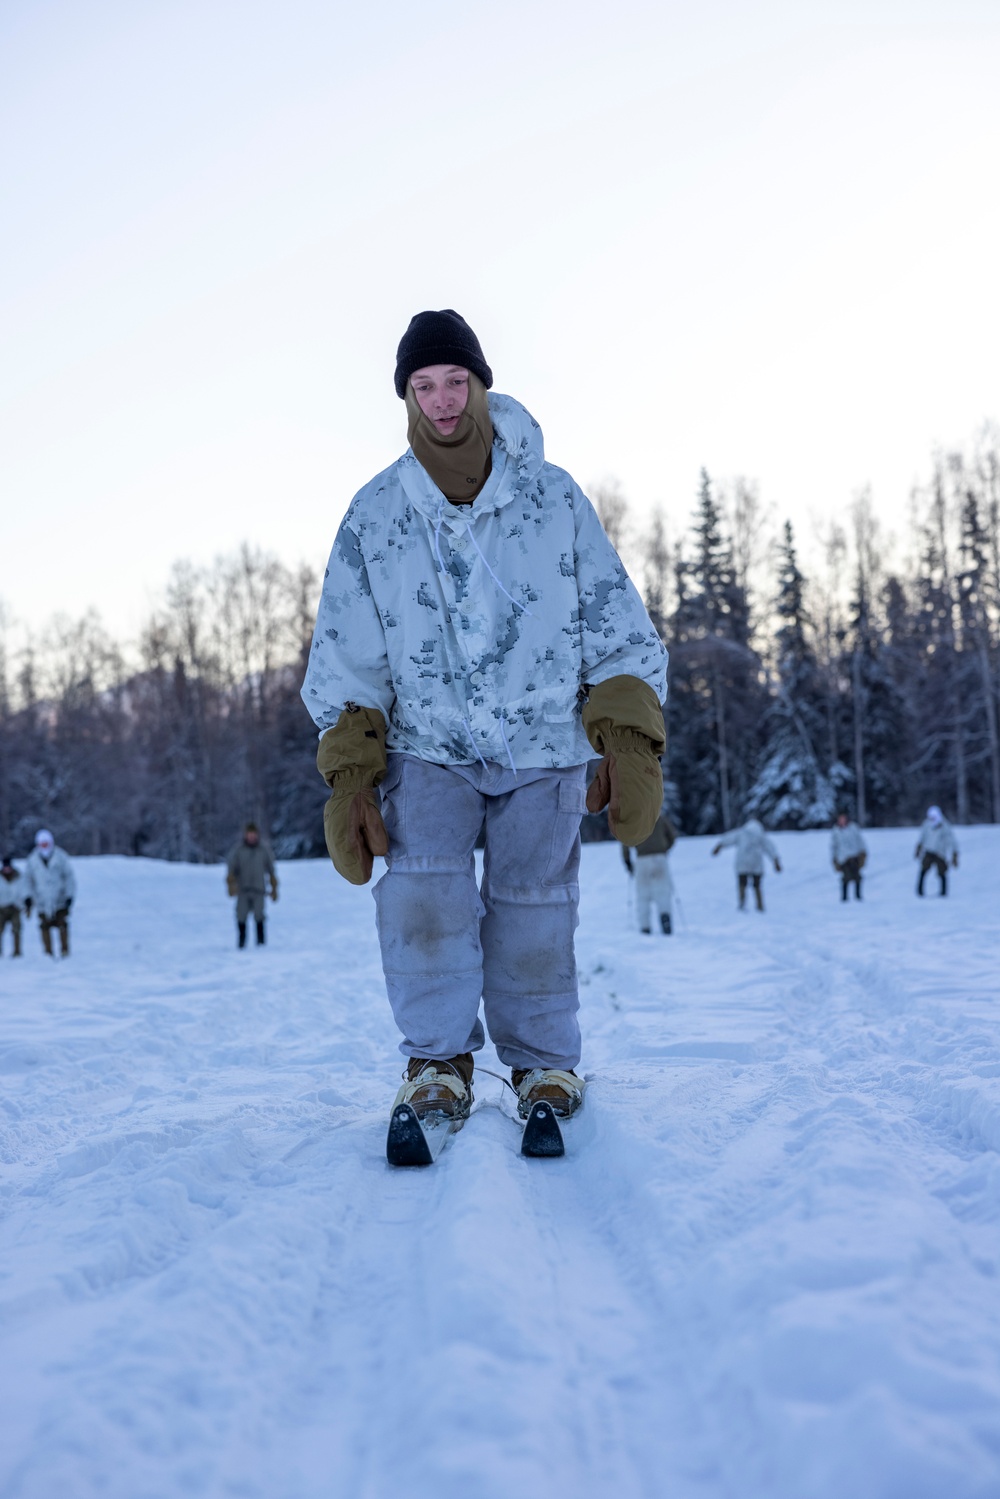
[
  {"x": 437, "y": 534},
  {"x": 438, "y": 520},
  {"x": 517, "y": 604},
  {"x": 475, "y": 746},
  {"x": 503, "y": 736},
  {"x": 506, "y": 746}
]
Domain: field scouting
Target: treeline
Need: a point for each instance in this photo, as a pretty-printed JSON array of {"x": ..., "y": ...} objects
[
  {"x": 169, "y": 754},
  {"x": 865, "y": 685},
  {"x": 869, "y": 687}
]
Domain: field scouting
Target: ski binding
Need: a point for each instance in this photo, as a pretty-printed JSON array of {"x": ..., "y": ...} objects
[
  {"x": 415, "y": 1142},
  {"x": 542, "y": 1136}
]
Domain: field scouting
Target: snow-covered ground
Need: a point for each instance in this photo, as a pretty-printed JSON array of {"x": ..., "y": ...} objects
[{"x": 767, "y": 1267}]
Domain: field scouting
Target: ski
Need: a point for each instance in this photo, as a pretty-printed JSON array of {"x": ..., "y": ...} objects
[
  {"x": 542, "y": 1137},
  {"x": 412, "y": 1142}
]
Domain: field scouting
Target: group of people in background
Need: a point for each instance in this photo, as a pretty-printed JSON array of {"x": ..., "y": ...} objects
[
  {"x": 937, "y": 848},
  {"x": 48, "y": 884}
]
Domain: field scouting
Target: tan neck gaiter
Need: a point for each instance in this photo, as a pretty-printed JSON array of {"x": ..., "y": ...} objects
[{"x": 459, "y": 464}]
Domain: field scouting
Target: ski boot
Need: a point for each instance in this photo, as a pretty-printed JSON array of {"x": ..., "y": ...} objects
[
  {"x": 562, "y": 1090},
  {"x": 441, "y": 1090}
]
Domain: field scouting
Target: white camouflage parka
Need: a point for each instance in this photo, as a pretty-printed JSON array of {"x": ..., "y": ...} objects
[
  {"x": 13, "y": 893},
  {"x": 50, "y": 883},
  {"x": 473, "y": 628},
  {"x": 938, "y": 838},
  {"x": 846, "y": 843},
  {"x": 752, "y": 843}
]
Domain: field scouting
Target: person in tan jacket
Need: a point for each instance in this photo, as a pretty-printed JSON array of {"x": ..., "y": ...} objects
[
  {"x": 653, "y": 884},
  {"x": 12, "y": 898},
  {"x": 250, "y": 862}
]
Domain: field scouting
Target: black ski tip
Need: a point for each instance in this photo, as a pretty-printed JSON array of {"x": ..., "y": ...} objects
[
  {"x": 406, "y": 1144},
  {"x": 542, "y": 1135}
]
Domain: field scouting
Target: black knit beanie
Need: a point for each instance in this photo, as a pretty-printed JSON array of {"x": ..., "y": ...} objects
[{"x": 439, "y": 338}]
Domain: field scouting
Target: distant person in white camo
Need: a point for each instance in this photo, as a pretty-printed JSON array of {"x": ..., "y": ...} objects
[
  {"x": 849, "y": 854},
  {"x": 50, "y": 884},
  {"x": 13, "y": 894},
  {"x": 751, "y": 843},
  {"x": 936, "y": 848},
  {"x": 654, "y": 887}
]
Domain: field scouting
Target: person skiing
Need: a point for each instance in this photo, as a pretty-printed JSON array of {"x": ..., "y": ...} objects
[
  {"x": 50, "y": 884},
  {"x": 249, "y": 862},
  {"x": 849, "y": 853},
  {"x": 653, "y": 884},
  {"x": 751, "y": 843},
  {"x": 936, "y": 846},
  {"x": 12, "y": 898},
  {"x": 477, "y": 640}
]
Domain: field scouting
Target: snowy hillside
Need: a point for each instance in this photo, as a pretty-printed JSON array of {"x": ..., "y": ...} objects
[{"x": 767, "y": 1267}]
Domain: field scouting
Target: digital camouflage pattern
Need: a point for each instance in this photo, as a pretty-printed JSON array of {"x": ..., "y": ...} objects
[{"x": 474, "y": 627}]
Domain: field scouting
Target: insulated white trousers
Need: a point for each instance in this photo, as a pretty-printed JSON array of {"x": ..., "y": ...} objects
[
  {"x": 653, "y": 887},
  {"x": 447, "y": 944}
]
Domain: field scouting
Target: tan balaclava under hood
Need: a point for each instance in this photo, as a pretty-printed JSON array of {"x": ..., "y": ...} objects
[{"x": 459, "y": 464}]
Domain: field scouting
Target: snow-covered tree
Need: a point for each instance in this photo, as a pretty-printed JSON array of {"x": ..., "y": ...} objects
[
  {"x": 715, "y": 700},
  {"x": 791, "y": 789}
]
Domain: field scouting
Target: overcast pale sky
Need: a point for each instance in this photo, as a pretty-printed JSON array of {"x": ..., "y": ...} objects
[{"x": 756, "y": 235}]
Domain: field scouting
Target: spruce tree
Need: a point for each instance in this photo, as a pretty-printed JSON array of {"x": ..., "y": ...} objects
[
  {"x": 715, "y": 697},
  {"x": 791, "y": 790}
]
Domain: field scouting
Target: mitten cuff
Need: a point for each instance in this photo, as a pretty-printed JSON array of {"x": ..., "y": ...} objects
[
  {"x": 620, "y": 704},
  {"x": 351, "y": 755},
  {"x": 348, "y": 782},
  {"x": 625, "y": 741}
]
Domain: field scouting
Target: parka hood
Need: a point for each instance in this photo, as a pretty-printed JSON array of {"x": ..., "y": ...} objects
[{"x": 518, "y": 456}]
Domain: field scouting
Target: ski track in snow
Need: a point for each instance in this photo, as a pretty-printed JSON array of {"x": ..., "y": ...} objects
[{"x": 767, "y": 1266}]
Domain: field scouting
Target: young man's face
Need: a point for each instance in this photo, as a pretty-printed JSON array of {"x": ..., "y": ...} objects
[{"x": 442, "y": 391}]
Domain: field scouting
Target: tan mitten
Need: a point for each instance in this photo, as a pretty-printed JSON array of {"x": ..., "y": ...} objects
[
  {"x": 352, "y": 761},
  {"x": 624, "y": 723}
]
